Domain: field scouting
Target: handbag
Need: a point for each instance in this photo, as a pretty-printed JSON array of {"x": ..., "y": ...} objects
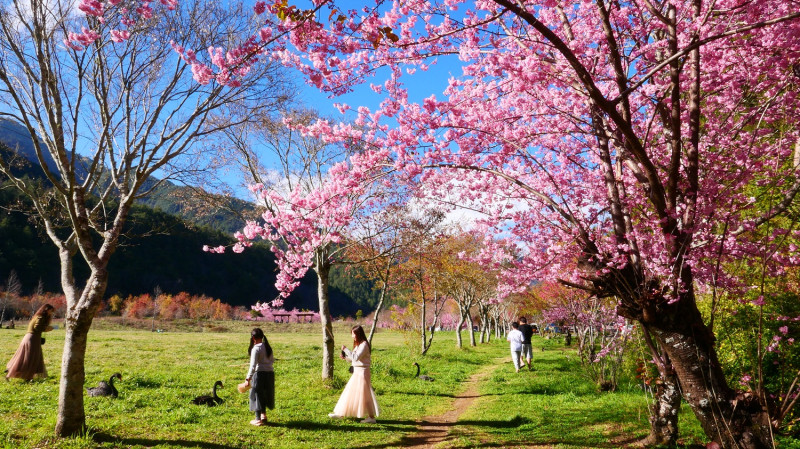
[{"x": 243, "y": 387}]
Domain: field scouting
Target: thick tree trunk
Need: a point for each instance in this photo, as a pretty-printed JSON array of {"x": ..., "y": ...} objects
[
  {"x": 71, "y": 418},
  {"x": 323, "y": 269},
  {"x": 730, "y": 418}
]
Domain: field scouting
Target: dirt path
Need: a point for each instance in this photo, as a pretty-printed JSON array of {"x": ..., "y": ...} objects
[{"x": 434, "y": 430}]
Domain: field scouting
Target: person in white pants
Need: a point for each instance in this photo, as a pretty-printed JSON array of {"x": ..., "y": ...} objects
[{"x": 515, "y": 339}]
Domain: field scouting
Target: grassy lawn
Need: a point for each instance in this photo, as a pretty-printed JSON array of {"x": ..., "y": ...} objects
[
  {"x": 556, "y": 406},
  {"x": 162, "y": 372}
]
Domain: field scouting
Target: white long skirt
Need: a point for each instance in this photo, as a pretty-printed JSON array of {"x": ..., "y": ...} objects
[{"x": 358, "y": 399}]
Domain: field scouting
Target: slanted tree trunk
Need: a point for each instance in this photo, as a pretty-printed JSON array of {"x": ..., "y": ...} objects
[
  {"x": 666, "y": 399},
  {"x": 438, "y": 306},
  {"x": 427, "y": 344},
  {"x": 378, "y": 309},
  {"x": 459, "y": 340},
  {"x": 732, "y": 420}
]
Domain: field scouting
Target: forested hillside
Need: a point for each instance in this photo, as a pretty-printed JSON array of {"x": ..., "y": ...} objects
[{"x": 162, "y": 250}]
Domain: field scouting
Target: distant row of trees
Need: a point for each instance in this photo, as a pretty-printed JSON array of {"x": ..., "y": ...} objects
[
  {"x": 173, "y": 307},
  {"x": 158, "y": 306},
  {"x": 14, "y": 306}
]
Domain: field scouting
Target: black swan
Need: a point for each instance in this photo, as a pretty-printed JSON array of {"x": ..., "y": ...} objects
[
  {"x": 105, "y": 388},
  {"x": 210, "y": 400},
  {"x": 423, "y": 377}
]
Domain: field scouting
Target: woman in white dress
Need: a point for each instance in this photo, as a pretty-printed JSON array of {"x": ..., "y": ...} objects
[{"x": 358, "y": 399}]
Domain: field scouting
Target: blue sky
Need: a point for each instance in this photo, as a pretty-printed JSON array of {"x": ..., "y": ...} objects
[{"x": 420, "y": 85}]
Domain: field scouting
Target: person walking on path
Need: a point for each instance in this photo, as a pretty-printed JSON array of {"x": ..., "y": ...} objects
[
  {"x": 260, "y": 376},
  {"x": 358, "y": 399},
  {"x": 515, "y": 339},
  {"x": 28, "y": 361},
  {"x": 527, "y": 333}
]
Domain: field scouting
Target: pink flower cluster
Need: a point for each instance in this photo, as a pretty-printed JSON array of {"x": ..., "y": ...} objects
[
  {"x": 218, "y": 249},
  {"x": 97, "y": 11}
]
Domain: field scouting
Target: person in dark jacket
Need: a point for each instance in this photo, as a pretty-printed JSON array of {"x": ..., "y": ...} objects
[{"x": 527, "y": 333}]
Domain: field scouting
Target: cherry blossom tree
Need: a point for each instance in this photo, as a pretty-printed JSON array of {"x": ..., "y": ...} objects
[
  {"x": 615, "y": 141},
  {"x": 108, "y": 104},
  {"x": 306, "y": 222},
  {"x": 601, "y": 334}
]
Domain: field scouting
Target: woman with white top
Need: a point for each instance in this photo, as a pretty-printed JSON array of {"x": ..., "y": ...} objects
[
  {"x": 358, "y": 398},
  {"x": 260, "y": 376}
]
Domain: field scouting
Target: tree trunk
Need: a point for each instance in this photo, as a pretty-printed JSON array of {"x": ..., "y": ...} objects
[
  {"x": 730, "y": 418},
  {"x": 459, "y": 342},
  {"x": 71, "y": 420},
  {"x": 483, "y": 329},
  {"x": 664, "y": 413},
  {"x": 423, "y": 323},
  {"x": 378, "y": 309},
  {"x": 471, "y": 330},
  {"x": 427, "y": 344},
  {"x": 323, "y": 269},
  {"x": 71, "y": 416},
  {"x": 3, "y": 312}
]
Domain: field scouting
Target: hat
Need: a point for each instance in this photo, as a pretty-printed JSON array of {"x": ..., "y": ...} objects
[{"x": 243, "y": 387}]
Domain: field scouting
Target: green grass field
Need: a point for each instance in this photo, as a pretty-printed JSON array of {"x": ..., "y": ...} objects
[{"x": 554, "y": 406}]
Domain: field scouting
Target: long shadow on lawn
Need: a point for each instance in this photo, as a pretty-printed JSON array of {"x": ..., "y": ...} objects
[
  {"x": 418, "y": 437},
  {"x": 105, "y": 438},
  {"x": 543, "y": 444},
  {"x": 346, "y": 425},
  {"x": 450, "y": 395},
  {"x": 559, "y": 443}
]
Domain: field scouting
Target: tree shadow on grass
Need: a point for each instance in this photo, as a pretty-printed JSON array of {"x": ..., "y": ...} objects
[
  {"x": 422, "y": 393},
  {"x": 106, "y": 438},
  {"x": 565, "y": 443},
  {"x": 422, "y": 434},
  {"x": 346, "y": 424},
  {"x": 446, "y": 395}
]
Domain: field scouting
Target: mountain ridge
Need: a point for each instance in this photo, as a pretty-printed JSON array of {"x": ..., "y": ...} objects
[{"x": 170, "y": 258}]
